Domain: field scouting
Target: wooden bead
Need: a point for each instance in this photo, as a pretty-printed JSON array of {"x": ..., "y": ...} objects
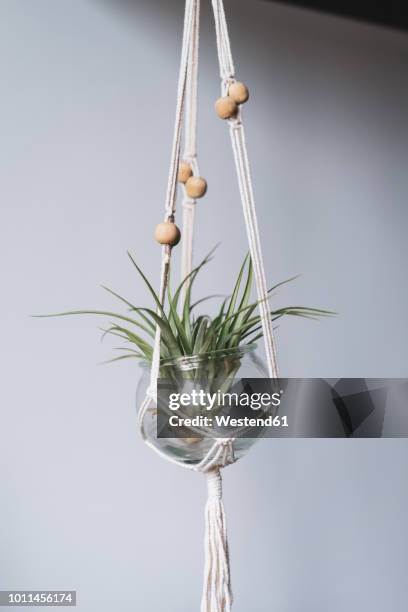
[
  {"x": 185, "y": 172},
  {"x": 239, "y": 92},
  {"x": 196, "y": 187},
  {"x": 226, "y": 107},
  {"x": 167, "y": 233}
]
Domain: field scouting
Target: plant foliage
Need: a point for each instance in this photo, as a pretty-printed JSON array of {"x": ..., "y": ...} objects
[{"x": 183, "y": 332}]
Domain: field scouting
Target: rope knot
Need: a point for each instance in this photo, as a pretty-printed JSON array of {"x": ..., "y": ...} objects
[
  {"x": 228, "y": 79},
  {"x": 152, "y": 392},
  {"x": 225, "y": 441},
  {"x": 214, "y": 482},
  {"x": 189, "y": 204}
]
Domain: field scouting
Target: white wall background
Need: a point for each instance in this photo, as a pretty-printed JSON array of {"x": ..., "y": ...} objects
[{"x": 87, "y": 96}]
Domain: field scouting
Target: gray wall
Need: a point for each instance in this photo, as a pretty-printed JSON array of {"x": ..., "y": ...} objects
[{"x": 87, "y": 97}]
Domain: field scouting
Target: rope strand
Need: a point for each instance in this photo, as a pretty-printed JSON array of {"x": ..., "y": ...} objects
[
  {"x": 190, "y": 151},
  {"x": 170, "y": 205},
  {"x": 237, "y": 132}
]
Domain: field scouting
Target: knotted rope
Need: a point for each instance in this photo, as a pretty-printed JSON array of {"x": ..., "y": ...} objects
[{"x": 217, "y": 596}]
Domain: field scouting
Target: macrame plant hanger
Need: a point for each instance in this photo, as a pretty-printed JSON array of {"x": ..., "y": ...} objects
[{"x": 217, "y": 594}]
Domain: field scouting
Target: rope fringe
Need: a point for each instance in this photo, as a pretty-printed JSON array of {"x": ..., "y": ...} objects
[{"x": 217, "y": 595}]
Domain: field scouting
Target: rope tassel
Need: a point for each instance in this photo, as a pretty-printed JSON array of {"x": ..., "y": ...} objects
[{"x": 217, "y": 595}]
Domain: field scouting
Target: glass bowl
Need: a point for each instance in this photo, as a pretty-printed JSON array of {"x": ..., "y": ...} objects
[{"x": 210, "y": 371}]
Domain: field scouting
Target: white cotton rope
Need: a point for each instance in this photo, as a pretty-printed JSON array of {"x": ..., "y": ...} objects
[
  {"x": 181, "y": 95},
  {"x": 217, "y": 595},
  {"x": 251, "y": 222},
  {"x": 170, "y": 204},
  {"x": 225, "y": 60},
  {"x": 190, "y": 149},
  {"x": 245, "y": 187}
]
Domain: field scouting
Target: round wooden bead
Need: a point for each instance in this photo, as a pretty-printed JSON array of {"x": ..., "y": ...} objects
[
  {"x": 226, "y": 107},
  {"x": 239, "y": 92},
  {"x": 167, "y": 233},
  {"x": 185, "y": 172},
  {"x": 196, "y": 187}
]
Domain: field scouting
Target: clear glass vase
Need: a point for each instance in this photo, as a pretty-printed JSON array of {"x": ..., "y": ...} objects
[{"x": 209, "y": 372}]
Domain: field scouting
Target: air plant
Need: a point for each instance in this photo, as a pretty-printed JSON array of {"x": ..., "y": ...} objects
[{"x": 185, "y": 333}]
